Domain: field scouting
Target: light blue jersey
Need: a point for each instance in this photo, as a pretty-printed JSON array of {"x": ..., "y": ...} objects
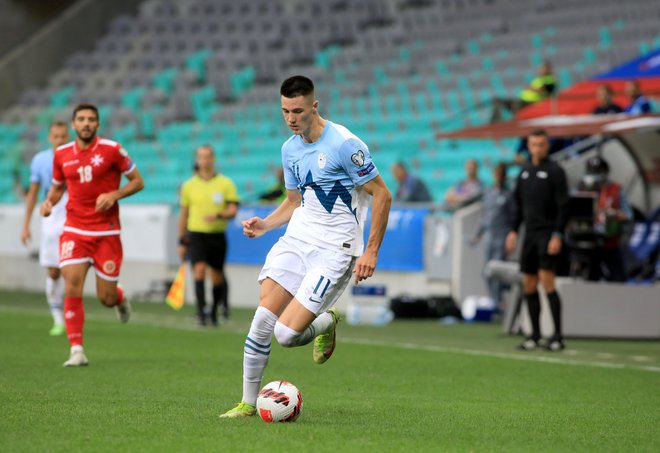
[
  {"x": 41, "y": 170},
  {"x": 329, "y": 173}
]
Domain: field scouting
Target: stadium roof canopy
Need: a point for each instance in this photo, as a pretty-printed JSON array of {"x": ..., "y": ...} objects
[{"x": 561, "y": 126}]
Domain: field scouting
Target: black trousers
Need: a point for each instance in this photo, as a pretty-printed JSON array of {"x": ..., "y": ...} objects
[{"x": 608, "y": 264}]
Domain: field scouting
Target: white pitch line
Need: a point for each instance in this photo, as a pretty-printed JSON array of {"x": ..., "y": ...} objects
[
  {"x": 154, "y": 320},
  {"x": 499, "y": 355},
  {"x": 641, "y": 358}
]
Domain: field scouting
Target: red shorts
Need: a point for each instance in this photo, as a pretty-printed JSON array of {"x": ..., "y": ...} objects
[{"x": 104, "y": 252}]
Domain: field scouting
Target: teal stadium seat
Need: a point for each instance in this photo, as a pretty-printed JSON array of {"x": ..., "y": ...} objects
[
  {"x": 132, "y": 99},
  {"x": 395, "y": 94},
  {"x": 164, "y": 80},
  {"x": 196, "y": 63},
  {"x": 62, "y": 97},
  {"x": 203, "y": 103},
  {"x": 241, "y": 81},
  {"x": 605, "y": 38}
]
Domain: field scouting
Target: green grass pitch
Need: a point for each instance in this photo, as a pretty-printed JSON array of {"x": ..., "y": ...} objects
[{"x": 159, "y": 383}]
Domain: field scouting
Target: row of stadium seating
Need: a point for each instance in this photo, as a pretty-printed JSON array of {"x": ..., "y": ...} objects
[{"x": 185, "y": 73}]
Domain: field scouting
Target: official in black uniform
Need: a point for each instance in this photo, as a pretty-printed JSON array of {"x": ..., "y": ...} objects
[{"x": 540, "y": 200}]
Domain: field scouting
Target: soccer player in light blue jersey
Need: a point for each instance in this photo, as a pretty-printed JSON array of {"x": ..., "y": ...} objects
[
  {"x": 41, "y": 177},
  {"x": 330, "y": 179}
]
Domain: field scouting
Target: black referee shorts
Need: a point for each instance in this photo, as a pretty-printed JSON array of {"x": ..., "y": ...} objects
[
  {"x": 210, "y": 248},
  {"x": 535, "y": 253}
]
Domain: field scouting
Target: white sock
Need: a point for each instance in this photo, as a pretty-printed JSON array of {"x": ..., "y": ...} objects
[
  {"x": 55, "y": 297},
  {"x": 288, "y": 337},
  {"x": 76, "y": 348},
  {"x": 256, "y": 352}
]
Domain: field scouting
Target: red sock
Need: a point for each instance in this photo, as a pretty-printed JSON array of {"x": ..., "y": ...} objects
[
  {"x": 74, "y": 318},
  {"x": 120, "y": 295}
]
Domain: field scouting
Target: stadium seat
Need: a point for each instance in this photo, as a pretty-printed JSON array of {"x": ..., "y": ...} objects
[{"x": 197, "y": 71}]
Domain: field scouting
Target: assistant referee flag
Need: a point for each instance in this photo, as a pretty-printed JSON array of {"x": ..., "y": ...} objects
[{"x": 175, "y": 296}]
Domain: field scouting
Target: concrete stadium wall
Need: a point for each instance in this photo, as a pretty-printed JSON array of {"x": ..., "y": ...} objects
[
  {"x": 148, "y": 235},
  {"x": 19, "y": 20},
  {"x": 24, "y": 273},
  {"x": 601, "y": 310},
  {"x": 591, "y": 309}
]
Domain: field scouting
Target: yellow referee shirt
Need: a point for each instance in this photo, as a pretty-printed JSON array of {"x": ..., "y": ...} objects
[{"x": 203, "y": 198}]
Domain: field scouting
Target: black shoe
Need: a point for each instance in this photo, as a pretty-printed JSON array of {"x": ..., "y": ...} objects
[
  {"x": 213, "y": 322},
  {"x": 529, "y": 344},
  {"x": 555, "y": 344},
  {"x": 201, "y": 320}
]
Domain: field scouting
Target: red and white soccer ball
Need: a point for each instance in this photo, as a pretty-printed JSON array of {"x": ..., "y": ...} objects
[{"x": 279, "y": 401}]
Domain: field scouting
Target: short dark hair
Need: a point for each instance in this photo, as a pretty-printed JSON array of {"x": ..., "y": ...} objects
[
  {"x": 503, "y": 167},
  {"x": 597, "y": 165},
  {"x": 539, "y": 133},
  {"x": 85, "y": 106},
  {"x": 296, "y": 86},
  {"x": 58, "y": 123}
]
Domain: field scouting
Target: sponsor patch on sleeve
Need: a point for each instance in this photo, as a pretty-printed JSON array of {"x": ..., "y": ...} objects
[{"x": 365, "y": 171}]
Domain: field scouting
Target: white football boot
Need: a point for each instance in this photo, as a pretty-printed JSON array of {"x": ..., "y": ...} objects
[{"x": 77, "y": 357}]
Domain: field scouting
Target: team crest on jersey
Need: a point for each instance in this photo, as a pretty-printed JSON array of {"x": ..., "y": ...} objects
[
  {"x": 358, "y": 158},
  {"x": 109, "y": 267},
  {"x": 322, "y": 160},
  {"x": 97, "y": 160},
  {"x": 525, "y": 175}
]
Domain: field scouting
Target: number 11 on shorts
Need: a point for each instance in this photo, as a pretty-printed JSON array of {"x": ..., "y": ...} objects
[{"x": 322, "y": 283}]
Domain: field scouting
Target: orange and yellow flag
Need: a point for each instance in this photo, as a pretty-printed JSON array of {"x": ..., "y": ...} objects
[{"x": 176, "y": 295}]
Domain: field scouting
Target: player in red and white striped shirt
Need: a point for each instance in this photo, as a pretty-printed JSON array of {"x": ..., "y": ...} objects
[{"x": 90, "y": 168}]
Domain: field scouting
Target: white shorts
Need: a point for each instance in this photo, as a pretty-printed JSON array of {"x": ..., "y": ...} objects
[
  {"x": 316, "y": 277},
  {"x": 51, "y": 230}
]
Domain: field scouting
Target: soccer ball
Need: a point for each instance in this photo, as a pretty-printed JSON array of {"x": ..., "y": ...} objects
[{"x": 279, "y": 401}]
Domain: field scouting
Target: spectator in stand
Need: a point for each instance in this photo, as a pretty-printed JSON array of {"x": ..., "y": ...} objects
[
  {"x": 466, "y": 191},
  {"x": 606, "y": 106},
  {"x": 639, "y": 104},
  {"x": 496, "y": 218},
  {"x": 411, "y": 189},
  {"x": 541, "y": 87}
]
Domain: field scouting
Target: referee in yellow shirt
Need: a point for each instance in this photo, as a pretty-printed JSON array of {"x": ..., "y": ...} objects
[{"x": 208, "y": 201}]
